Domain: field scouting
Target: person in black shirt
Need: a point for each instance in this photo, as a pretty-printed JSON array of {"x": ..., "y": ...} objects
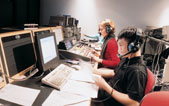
[{"x": 128, "y": 80}]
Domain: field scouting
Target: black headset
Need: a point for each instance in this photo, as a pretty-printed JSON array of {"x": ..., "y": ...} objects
[
  {"x": 135, "y": 45},
  {"x": 109, "y": 29}
]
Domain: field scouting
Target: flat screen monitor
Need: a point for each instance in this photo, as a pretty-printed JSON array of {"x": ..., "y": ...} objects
[
  {"x": 47, "y": 51},
  {"x": 18, "y": 52},
  {"x": 58, "y": 33}
]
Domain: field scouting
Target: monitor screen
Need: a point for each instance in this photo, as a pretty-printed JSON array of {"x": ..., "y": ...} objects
[
  {"x": 59, "y": 34},
  {"x": 47, "y": 51},
  {"x": 68, "y": 44},
  {"x": 57, "y": 21},
  {"x": 48, "y": 48},
  {"x": 19, "y": 51}
]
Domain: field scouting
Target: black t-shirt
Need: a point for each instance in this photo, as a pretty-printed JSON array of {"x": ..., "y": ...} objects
[{"x": 130, "y": 78}]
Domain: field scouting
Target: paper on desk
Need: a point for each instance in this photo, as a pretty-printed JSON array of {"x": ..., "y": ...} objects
[
  {"x": 82, "y": 88},
  {"x": 59, "y": 98},
  {"x": 82, "y": 76},
  {"x": 19, "y": 95}
]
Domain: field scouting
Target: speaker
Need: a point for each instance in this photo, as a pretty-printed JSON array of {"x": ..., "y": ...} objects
[{"x": 135, "y": 45}]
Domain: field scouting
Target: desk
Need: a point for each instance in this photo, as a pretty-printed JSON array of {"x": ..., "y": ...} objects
[{"x": 34, "y": 83}]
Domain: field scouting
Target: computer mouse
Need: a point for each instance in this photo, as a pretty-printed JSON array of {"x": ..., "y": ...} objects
[{"x": 76, "y": 67}]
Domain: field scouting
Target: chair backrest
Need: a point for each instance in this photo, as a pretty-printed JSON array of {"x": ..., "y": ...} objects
[
  {"x": 150, "y": 82},
  {"x": 159, "y": 98}
]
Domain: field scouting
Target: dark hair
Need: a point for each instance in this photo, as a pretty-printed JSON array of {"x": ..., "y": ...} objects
[{"x": 131, "y": 34}]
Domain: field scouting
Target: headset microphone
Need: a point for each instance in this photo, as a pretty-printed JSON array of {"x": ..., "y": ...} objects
[{"x": 120, "y": 56}]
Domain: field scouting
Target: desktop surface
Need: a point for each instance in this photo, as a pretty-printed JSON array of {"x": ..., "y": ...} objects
[{"x": 36, "y": 83}]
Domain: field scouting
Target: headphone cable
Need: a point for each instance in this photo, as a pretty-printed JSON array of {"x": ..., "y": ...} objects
[
  {"x": 92, "y": 99},
  {"x": 108, "y": 96}
]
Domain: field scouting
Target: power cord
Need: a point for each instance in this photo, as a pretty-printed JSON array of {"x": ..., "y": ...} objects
[{"x": 40, "y": 75}]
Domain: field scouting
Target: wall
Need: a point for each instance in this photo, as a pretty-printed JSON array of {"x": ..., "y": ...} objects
[{"x": 124, "y": 13}]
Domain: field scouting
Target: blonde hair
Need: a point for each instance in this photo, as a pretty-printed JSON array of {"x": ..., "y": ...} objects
[{"x": 108, "y": 22}]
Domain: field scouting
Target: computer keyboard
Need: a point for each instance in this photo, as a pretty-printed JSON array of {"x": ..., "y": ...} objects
[{"x": 58, "y": 77}]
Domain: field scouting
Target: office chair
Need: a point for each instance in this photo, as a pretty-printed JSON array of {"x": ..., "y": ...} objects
[
  {"x": 159, "y": 98},
  {"x": 150, "y": 82}
]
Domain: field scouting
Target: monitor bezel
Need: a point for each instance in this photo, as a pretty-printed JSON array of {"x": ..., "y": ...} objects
[
  {"x": 3, "y": 56},
  {"x": 41, "y": 29},
  {"x": 52, "y": 63}
]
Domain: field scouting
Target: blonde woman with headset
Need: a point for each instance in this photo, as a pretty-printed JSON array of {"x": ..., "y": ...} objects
[{"x": 108, "y": 57}]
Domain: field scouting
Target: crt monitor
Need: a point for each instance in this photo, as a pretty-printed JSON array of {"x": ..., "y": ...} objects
[
  {"x": 47, "y": 51},
  {"x": 17, "y": 52}
]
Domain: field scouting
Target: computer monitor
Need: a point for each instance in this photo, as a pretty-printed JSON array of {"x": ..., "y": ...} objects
[
  {"x": 71, "y": 21},
  {"x": 68, "y": 44},
  {"x": 58, "y": 20},
  {"x": 17, "y": 53},
  {"x": 47, "y": 51},
  {"x": 58, "y": 33},
  {"x": 41, "y": 31}
]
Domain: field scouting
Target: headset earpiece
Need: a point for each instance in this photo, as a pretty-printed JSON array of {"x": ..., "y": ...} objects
[
  {"x": 109, "y": 29},
  {"x": 135, "y": 46}
]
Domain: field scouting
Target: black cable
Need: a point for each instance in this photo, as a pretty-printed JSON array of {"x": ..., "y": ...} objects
[
  {"x": 108, "y": 96},
  {"x": 39, "y": 75},
  {"x": 63, "y": 56},
  {"x": 92, "y": 99},
  {"x": 112, "y": 87}
]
